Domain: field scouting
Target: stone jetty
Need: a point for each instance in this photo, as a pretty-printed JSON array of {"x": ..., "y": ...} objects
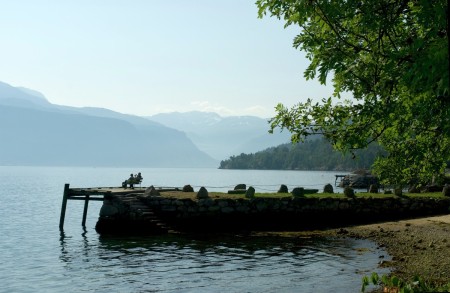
[{"x": 160, "y": 212}]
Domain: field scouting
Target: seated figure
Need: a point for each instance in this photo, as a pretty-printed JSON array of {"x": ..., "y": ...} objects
[
  {"x": 133, "y": 179},
  {"x": 138, "y": 178}
]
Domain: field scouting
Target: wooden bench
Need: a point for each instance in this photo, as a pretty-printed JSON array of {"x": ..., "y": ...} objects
[{"x": 132, "y": 181}]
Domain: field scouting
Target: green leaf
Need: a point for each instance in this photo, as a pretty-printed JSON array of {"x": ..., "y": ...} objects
[
  {"x": 375, "y": 278},
  {"x": 365, "y": 283}
]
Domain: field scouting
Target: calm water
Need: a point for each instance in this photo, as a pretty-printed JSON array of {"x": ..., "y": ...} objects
[{"x": 36, "y": 257}]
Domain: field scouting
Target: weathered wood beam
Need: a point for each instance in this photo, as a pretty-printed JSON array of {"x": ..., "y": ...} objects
[
  {"x": 86, "y": 203},
  {"x": 63, "y": 207}
]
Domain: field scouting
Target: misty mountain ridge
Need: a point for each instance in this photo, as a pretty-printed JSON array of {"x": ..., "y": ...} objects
[
  {"x": 36, "y": 132},
  {"x": 222, "y": 137},
  {"x": 20, "y": 96},
  {"x": 49, "y": 134}
]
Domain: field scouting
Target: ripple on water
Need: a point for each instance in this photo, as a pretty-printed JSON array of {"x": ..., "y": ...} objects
[
  {"x": 262, "y": 264},
  {"x": 37, "y": 258}
]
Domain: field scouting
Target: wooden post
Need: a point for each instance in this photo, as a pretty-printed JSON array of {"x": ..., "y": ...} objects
[
  {"x": 63, "y": 207},
  {"x": 86, "y": 203}
]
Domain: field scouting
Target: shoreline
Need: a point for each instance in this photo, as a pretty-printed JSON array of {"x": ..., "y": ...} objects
[{"x": 417, "y": 247}]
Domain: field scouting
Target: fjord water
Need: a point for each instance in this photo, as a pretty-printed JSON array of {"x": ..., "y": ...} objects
[{"x": 36, "y": 257}]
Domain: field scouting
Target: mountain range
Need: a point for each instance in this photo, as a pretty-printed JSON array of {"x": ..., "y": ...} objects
[
  {"x": 222, "y": 137},
  {"x": 34, "y": 131}
]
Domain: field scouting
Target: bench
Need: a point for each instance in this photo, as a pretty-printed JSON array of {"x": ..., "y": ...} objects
[{"x": 134, "y": 179}]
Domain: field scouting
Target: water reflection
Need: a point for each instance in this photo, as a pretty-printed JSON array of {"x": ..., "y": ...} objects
[
  {"x": 236, "y": 263},
  {"x": 226, "y": 243},
  {"x": 35, "y": 258},
  {"x": 64, "y": 257}
]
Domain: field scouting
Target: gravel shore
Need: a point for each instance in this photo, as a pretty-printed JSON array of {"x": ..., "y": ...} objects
[{"x": 418, "y": 247}]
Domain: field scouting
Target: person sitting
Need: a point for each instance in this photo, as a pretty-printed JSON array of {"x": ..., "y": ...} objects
[
  {"x": 131, "y": 181},
  {"x": 138, "y": 178}
]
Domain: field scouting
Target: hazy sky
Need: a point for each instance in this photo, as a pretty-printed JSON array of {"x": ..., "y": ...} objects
[{"x": 148, "y": 56}]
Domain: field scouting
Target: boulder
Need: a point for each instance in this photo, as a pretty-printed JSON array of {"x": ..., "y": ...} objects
[
  {"x": 151, "y": 191},
  {"x": 238, "y": 191},
  {"x": 188, "y": 188},
  {"x": 250, "y": 193},
  {"x": 108, "y": 209},
  {"x": 202, "y": 193},
  {"x": 283, "y": 189},
  {"x": 328, "y": 188},
  {"x": 240, "y": 187},
  {"x": 349, "y": 192},
  {"x": 298, "y": 192}
]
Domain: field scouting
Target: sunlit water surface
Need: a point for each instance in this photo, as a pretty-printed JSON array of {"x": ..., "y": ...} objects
[{"x": 36, "y": 257}]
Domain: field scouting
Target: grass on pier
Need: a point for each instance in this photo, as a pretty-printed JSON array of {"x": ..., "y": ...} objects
[{"x": 223, "y": 195}]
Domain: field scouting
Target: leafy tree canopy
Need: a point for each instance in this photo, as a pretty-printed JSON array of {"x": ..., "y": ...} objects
[{"x": 392, "y": 57}]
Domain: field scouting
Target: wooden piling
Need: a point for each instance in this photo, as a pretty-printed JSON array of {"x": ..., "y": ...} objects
[
  {"x": 63, "y": 207},
  {"x": 88, "y": 194},
  {"x": 86, "y": 203}
]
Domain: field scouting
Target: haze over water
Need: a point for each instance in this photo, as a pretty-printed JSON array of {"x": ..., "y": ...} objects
[{"x": 36, "y": 257}]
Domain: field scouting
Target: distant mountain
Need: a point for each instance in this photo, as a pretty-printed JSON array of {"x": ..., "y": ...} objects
[
  {"x": 220, "y": 136},
  {"x": 35, "y": 132},
  {"x": 19, "y": 96}
]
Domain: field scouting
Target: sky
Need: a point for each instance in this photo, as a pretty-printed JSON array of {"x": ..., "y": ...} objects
[{"x": 145, "y": 57}]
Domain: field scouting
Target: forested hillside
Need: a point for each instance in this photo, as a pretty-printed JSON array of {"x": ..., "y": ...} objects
[{"x": 311, "y": 155}]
